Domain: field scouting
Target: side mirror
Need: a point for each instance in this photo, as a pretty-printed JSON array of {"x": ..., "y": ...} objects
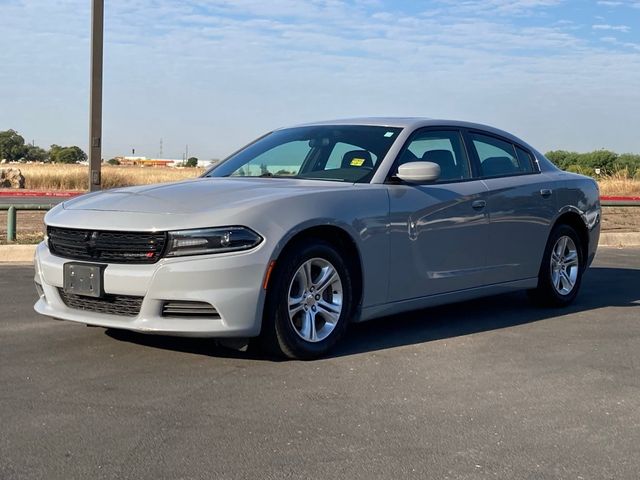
[{"x": 419, "y": 172}]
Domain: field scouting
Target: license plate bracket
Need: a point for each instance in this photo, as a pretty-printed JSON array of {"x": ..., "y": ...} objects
[{"x": 83, "y": 279}]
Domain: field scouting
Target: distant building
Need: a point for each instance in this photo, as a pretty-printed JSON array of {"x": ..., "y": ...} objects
[
  {"x": 147, "y": 162},
  {"x": 208, "y": 163}
]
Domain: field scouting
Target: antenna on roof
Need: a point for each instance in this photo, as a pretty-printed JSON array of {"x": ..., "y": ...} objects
[{"x": 160, "y": 154}]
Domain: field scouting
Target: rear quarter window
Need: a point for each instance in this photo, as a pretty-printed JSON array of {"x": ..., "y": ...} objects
[{"x": 499, "y": 158}]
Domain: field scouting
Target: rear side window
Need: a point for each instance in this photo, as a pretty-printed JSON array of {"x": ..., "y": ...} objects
[
  {"x": 499, "y": 158},
  {"x": 443, "y": 147},
  {"x": 525, "y": 159}
]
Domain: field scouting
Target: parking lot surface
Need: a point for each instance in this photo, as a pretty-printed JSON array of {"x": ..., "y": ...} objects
[{"x": 493, "y": 388}]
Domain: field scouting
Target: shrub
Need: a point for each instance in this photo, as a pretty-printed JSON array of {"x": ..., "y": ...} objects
[
  {"x": 582, "y": 170},
  {"x": 607, "y": 161}
]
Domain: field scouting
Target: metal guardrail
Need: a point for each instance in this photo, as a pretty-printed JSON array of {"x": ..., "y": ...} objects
[
  {"x": 12, "y": 210},
  {"x": 27, "y": 206},
  {"x": 12, "y": 216}
]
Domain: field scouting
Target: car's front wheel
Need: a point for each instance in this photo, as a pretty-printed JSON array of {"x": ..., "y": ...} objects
[
  {"x": 561, "y": 270},
  {"x": 309, "y": 301}
]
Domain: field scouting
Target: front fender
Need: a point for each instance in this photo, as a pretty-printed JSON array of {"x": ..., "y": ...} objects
[{"x": 361, "y": 212}]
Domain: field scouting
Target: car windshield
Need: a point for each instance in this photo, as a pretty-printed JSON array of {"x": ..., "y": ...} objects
[{"x": 345, "y": 153}]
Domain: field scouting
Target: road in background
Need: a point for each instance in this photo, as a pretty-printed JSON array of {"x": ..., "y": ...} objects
[
  {"x": 32, "y": 200},
  {"x": 493, "y": 388},
  {"x": 35, "y": 197}
]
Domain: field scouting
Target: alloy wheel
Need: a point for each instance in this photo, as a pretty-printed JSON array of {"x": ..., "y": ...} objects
[
  {"x": 315, "y": 300},
  {"x": 565, "y": 265}
]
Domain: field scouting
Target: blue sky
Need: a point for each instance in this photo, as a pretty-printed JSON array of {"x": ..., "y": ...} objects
[{"x": 215, "y": 74}]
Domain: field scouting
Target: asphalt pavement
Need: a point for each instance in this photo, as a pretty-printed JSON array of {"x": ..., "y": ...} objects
[
  {"x": 44, "y": 200},
  {"x": 493, "y": 388}
]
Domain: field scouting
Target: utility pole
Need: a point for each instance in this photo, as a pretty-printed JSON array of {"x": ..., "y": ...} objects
[{"x": 95, "y": 101}]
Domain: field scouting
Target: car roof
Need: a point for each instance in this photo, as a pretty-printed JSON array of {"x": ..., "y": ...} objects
[
  {"x": 373, "y": 121},
  {"x": 415, "y": 122}
]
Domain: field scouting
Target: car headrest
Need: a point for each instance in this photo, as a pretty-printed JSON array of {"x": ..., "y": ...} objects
[
  {"x": 357, "y": 159},
  {"x": 448, "y": 168},
  {"x": 498, "y": 166},
  {"x": 444, "y": 158},
  {"x": 406, "y": 157}
]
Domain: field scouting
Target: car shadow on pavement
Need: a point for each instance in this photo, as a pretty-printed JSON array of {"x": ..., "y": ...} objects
[{"x": 601, "y": 287}]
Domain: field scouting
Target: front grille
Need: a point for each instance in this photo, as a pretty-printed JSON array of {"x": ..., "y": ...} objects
[
  {"x": 123, "y": 305},
  {"x": 185, "y": 308},
  {"x": 106, "y": 246}
]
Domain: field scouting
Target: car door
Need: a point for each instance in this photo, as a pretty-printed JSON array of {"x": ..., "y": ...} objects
[
  {"x": 521, "y": 207},
  {"x": 438, "y": 231}
]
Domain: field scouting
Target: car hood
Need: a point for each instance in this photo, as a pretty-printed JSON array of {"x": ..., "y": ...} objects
[{"x": 198, "y": 195}]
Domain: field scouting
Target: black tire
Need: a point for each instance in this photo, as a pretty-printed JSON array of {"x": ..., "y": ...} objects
[
  {"x": 546, "y": 294},
  {"x": 279, "y": 335}
]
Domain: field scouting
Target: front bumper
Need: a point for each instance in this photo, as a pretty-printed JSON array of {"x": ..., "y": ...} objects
[{"x": 231, "y": 283}]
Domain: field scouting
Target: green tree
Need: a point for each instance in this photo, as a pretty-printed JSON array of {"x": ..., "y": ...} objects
[
  {"x": 12, "y": 147},
  {"x": 563, "y": 159},
  {"x": 605, "y": 160},
  {"x": 629, "y": 162},
  {"x": 191, "y": 162},
  {"x": 36, "y": 154},
  {"x": 73, "y": 154},
  {"x": 54, "y": 150},
  {"x": 113, "y": 161}
]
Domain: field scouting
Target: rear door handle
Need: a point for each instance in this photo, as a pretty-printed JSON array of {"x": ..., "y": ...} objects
[
  {"x": 546, "y": 192},
  {"x": 478, "y": 204}
]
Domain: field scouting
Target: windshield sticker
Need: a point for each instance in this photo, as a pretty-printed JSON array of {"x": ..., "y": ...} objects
[
  {"x": 389, "y": 134},
  {"x": 357, "y": 162}
]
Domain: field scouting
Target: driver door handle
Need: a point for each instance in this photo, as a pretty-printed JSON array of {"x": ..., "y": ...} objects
[
  {"x": 546, "y": 192},
  {"x": 478, "y": 204}
]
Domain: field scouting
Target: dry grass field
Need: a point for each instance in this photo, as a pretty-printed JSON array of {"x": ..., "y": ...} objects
[
  {"x": 618, "y": 184},
  {"x": 74, "y": 177}
]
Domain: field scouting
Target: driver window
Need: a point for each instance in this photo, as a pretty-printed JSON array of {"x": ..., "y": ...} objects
[{"x": 441, "y": 147}]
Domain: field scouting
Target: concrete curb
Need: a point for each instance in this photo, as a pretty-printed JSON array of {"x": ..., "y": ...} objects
[
  {"x": 17, "y": 253},
  {"x": 618, "y": 239},
  {"x": 24, "y": 253}
]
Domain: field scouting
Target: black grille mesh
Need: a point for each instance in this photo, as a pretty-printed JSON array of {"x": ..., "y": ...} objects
[
  {"x": 184, "y": 308},
  {"x": 106, "y": 246},
  {"x": 124, "y": 305}
]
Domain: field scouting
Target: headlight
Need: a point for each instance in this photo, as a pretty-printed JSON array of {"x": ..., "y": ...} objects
[{"x": 211, "y": 240}]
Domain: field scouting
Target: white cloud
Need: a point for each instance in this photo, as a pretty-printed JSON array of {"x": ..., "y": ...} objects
[
  {"x": 214, "y": 74},
  {"x": 501, "y": 7},
  {"x": 619, "y": 3},
  {"x": 626, "y": 45},
  {"x": 616, "y": 28}
]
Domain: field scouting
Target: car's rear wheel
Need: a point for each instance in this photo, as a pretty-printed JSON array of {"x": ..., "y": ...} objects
[
  {"x": 309, "y": 301},
  {"x": 562, "y": 267}
]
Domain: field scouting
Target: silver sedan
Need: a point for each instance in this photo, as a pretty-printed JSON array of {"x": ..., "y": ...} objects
[{"x": 312, "y": 227}]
